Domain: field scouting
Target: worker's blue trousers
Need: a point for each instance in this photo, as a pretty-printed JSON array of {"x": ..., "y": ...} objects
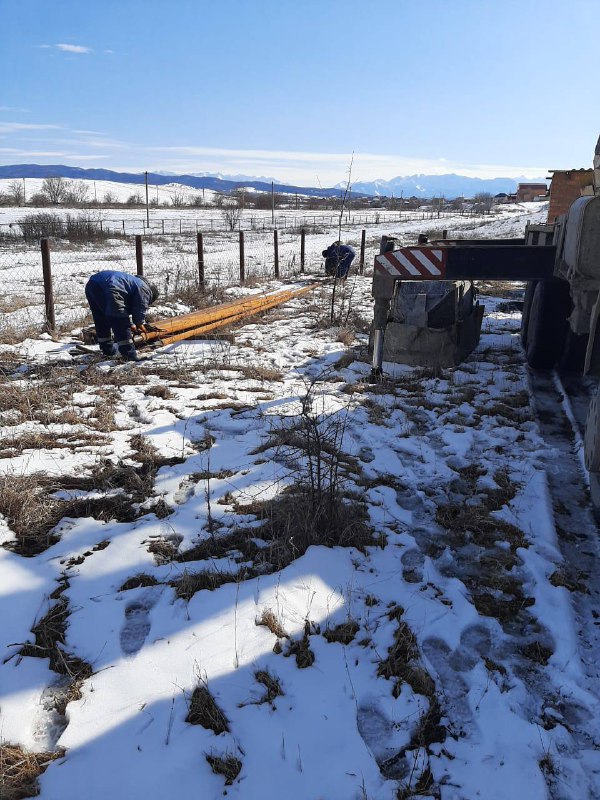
[{"x": 109, "y": 326}]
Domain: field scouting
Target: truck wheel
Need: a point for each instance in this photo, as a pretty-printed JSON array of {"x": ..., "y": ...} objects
[
  {"x": 573, "y": 356},
  {"x": 595, "y": 494},
  {"x": 547, "y": 324},
  {"x": 526, "y": 309},
  {"x": 591, "y": 439}
]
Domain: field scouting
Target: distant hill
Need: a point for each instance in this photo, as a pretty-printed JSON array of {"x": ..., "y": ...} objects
[
  {"x": 156, "y": 179},
  {"x": 424, "y": 186}
]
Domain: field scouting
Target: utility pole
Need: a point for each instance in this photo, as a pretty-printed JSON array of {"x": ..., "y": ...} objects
[
  {"x": 147, "y": 204},
  {"x": 273, "y": 202},
  {"x": 24, "y": 193},
  {"x": 95, "y": 195}
]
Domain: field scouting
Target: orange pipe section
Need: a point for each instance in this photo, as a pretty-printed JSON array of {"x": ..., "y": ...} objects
[{"x": 199, "y": 322}]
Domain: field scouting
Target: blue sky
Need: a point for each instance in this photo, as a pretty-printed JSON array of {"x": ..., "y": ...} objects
[{"x": 291, "y": 88}]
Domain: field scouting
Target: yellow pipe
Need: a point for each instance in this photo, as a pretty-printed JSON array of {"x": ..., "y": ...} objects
[
  {"x": 195, "y": 318},
  {"x": 245, "y": 310}
]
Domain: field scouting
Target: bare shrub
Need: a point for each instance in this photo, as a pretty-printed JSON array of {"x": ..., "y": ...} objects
[
  {"x": 55, "y": 189},
  {"x": 16, "y": 193},
  {"x": 82, "y": 228},
  {"x": 231, "y": 211}
]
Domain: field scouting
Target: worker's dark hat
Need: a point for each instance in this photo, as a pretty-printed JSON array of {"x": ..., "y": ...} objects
[{"x": 155, "y": 292}]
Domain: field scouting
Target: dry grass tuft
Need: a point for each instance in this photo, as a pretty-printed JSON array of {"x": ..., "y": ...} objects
[
  {"x": 402, "y": 664},
  {"x": 270, "y": 621},
  {"x": 228, "y": 765},
  {"x": 32, "y": 512},
  {"x": 159, "y": 391},
  {"x": 191, "y": 582},
  {"x": 293, "y": 522},
  {"x": 345, "y": 336},
  {"x": 163, "y": 550},
  {"x": 137, "y": 581},
  {"x": 203, "y": 710},
  {"x": 343, "y": 633},
  {"x": 476, "y": 522},
  {"x": 538, "y": 652},
  {"x": 20, "y": 770},
  {"x": 301, "y": 649},
  {"x": 239, "y": 541},
  {"x": 271, "y": 684}
]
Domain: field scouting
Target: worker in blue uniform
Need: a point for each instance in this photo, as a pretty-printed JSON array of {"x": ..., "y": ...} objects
[
  {"x": 119, "y": 302},
  {"x": 338, "y": 258}
]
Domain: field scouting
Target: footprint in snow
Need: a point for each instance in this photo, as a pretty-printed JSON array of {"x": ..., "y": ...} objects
[
  {"x": 384, "y": 739},
  {"x": 452, "y": 684},
  {"x": 412, "y": 565},
  {"x": 185, "y": 491},
  {"x": 137, "y": 624}
]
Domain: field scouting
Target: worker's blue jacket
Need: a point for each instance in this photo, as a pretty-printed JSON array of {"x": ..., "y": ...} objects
[
  {"x": 338, "y": 258},
  {"x": 120, "y": 294}
]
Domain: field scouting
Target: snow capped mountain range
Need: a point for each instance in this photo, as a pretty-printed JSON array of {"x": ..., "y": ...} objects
[{"x": 424, "y": 186}]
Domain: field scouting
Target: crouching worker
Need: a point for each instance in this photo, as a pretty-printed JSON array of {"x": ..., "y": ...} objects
[
  {"x": 113, "y": 298},
  {"x": 338, "y": 258}
]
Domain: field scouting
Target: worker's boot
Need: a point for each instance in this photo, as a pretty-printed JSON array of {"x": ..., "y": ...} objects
[
  {"x": 107, "y": 347},
  {"x": 128, "y": 352}
]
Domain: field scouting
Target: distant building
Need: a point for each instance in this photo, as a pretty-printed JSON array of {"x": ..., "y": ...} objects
[
  {"x": 527, "y": 192},
  {"x": 566, "y": 186}
]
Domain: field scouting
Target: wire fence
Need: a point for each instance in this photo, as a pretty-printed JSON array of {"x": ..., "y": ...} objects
[{"x": 42, "y": 286}]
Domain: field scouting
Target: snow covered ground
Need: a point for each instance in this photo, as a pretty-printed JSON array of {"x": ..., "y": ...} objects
[
  {"x": 172, "y": 262},
  {"x": 241, "y": 568}
]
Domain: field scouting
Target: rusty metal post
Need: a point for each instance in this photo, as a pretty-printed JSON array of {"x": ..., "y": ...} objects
[
  {"x": 302, "y": 249},
  {"x": 276, "y": 251},
  {"x": 363, "y": 244},
  {"x": 48, "y": 288},
  {"x": 200, "y": 240},
  {"x": 242, "y": 262},
  {"x": 139, "y": 255}
]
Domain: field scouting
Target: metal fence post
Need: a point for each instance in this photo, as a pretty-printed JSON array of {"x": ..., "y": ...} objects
[
  {"x": 363, "y": 237},
  {"x": 139, "y": 255},
  {"x": 302, "y": 249},
  {"x": 48, "y": 289},
  {"x": 200, "y": 240},
  {"x": 242, "y": 264},
  {"x": 276, "y": 251}
]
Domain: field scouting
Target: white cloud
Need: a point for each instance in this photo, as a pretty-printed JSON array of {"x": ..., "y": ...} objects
[
  {"x": 14, "y": 110},
  {"x": 15, "y": 127},
  {"x": 73, "y": 48},
  {"x": 314, "y": 168}
]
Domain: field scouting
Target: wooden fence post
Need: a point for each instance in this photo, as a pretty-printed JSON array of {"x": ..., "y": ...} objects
[
  {"x": 139, "y": 255},
  {"x": 242, "y": 263},
  {"x": 276, "y": 251},
  {"x": 48, "y": 288},
  {"x": 200, "y": 240},
  {"x": 302, "y": 249},
  {"x": 361, "y": 267}
]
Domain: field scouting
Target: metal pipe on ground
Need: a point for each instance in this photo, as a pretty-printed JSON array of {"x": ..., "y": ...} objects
[{"x": 204, "y": 322}]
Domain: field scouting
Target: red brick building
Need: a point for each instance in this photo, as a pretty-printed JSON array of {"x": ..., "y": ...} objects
[
  {"x": 527, "y": 192},
  {"x": 567, "y": 185}
]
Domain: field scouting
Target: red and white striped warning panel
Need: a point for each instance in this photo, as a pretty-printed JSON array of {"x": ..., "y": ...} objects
[{"x": 413, "y": 263}]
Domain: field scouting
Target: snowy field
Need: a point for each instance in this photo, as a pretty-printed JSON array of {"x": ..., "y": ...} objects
[
  {"x": 171, "y": 260},
  {"x": 242, "y": 569}
]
